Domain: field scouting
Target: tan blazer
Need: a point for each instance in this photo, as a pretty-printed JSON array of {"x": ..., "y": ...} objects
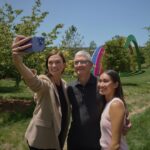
[{"x": 45, "y": 125}]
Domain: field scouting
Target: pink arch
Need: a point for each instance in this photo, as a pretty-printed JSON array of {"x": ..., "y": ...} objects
[{"x": 98, "y": 65}]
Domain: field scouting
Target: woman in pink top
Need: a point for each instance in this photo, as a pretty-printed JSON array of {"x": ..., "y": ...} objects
[{"x": 113, "y": 116}]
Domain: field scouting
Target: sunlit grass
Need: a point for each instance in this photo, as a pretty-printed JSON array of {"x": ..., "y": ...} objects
[
  {"x": 139, "y": 136},
  {"x": 137, "y": 90}
]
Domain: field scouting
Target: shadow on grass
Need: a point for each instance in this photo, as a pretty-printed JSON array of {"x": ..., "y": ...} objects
[
  {"x": 6, "y": 89},
  {"x": 129, "y": 84},
  {"x": 10, "y": 113},
  {"x": 127, "y": 74}
]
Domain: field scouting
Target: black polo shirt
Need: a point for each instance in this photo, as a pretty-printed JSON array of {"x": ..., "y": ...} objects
[{"x": 84, "y": 132}]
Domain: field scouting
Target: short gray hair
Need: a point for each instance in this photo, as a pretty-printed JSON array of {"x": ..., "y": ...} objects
[{"x": 85, "y": 54}]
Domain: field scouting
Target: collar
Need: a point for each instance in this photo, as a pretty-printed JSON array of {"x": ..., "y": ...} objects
[{"x": 91, "y": 80}]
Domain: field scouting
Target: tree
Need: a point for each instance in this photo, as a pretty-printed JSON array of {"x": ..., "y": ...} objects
[
  {"x": 71, "y": 38},
  {"x": 92, "y": 47},
  {"x": 7, "y": 17},
  {"x": 27, "y": 26},
  {"x": 148, "y": 29},
  {"x": 146, "y": 49},
  {"x": 116, "y": 56},
  {"x": 146, "y": 53}
]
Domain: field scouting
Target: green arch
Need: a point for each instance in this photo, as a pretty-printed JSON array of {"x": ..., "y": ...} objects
[{"x": 132, "y": 39}]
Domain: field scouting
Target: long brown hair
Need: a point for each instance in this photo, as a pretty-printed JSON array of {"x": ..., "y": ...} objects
[{"x": 115, "y": 78}]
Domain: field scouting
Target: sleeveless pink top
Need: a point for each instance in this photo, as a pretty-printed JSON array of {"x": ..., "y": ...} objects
[{"x": 106, "y": 134}]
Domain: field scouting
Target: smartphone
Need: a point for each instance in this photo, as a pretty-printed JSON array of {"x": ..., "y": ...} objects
[{"x": 38, "y": 45}]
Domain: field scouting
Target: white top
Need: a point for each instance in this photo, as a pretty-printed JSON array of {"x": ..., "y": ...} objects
[{"x": 106, "y": 133}]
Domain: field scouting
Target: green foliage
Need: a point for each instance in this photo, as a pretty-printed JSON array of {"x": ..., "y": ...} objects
[
  {"x": 71, "y": 39},
  {"x": 51, "y": 36},
  {"x": 68, "y": 53},
  {"x": 7, "y": 15},
  {"x": 116, "y": 56},
  {"x": 27, "y": 25},
  {"x": 148, "y": 29},
  {"x": 146, "y": 49},
  {"x": 146, "y": 53},
  {"x": 92, "y": 47}
]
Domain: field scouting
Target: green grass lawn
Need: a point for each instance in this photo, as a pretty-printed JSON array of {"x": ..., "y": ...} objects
[
  {"x": 137, "y": 90},
  {"x": 12, "y": 135},
  {"x": 139, "y": 136},
  {"x": 137, "y": 95},
  {"x": 9, "y": 91}
]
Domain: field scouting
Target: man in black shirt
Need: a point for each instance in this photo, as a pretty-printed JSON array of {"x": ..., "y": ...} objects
[{"x": 84, "y": 133}]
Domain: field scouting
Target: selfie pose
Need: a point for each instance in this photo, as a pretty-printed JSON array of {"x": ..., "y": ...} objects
[
  {"x": 48, "y": 127},
  {"x": 113, "y": 116}
]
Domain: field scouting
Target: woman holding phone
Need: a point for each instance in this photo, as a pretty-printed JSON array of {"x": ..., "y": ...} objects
[
  {"x": 48, "y": 127},
  {"x": 113, "y": 116}
]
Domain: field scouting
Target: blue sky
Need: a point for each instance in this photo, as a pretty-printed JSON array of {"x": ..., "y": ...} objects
[{"x": 96, "y": 20}]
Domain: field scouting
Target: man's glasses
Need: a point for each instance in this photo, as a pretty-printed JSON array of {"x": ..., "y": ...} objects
[{"x": 81, "y": 62}]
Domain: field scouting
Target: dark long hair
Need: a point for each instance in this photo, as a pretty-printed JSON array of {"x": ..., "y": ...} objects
[
  {"x": 54, "y": 52},
  {"x": 116, "y": 79}
]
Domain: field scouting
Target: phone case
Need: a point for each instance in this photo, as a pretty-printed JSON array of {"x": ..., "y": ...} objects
[{"x": 38, "y": 45}]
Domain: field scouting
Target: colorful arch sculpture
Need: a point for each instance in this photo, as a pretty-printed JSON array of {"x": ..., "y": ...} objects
[
  {"x": 132, "y": 39},
  {"x": 96, "y": 59},
  {"x": 99, "y": 52}
]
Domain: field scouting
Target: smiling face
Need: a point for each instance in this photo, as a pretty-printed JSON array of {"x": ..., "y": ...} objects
[
  {"x": 55, "y": 65},
  {"x": 107, "y": 86},
  {"x": 82, "y": 65}
]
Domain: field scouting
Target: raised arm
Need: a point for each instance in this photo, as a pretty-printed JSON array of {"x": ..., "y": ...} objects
[
  {"x": 18, "y": 47},
  {"x": 117, "y": 113}
]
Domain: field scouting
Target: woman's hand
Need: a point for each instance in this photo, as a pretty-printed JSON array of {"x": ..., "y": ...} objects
[
  {"x": 18, "y": 47},
  {"x": 18, "y": 50}
]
